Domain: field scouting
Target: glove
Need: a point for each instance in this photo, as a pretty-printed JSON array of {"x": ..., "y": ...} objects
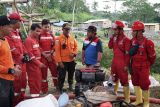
[
  {"x": 134, "y": 50},
  {"x": 26, "y": 58}
]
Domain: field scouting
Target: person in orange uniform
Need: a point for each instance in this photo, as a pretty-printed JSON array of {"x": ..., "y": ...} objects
[
  {"x": 7, "y": 68},
  {"x": 33, "y": 67},
  {"x": 46, "y": 42},
  {"x": 18, "y": 53},
  {"x": 120, "y": 44},
  {"x": 143, "y": 57},
  {"x": 66, "y": 51}
]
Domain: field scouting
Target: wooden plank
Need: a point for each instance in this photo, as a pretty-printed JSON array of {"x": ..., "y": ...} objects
[{"x": 98, "y": 97}]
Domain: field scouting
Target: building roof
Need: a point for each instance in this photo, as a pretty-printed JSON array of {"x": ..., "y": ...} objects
[
  {"x": 151, "y": 23},
  {"x": 97, "y": 20}
]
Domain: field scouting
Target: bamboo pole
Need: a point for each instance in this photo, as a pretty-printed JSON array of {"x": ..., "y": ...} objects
[{"x": 18, "y": 13}]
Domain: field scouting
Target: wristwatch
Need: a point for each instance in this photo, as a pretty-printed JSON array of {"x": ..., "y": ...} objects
[{"x": 11, "y": 71}]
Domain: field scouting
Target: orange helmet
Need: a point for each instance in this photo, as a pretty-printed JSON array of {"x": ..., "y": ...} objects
[
  {"x": 118, "y": 24},
  {"x": 137, "y": 25}
]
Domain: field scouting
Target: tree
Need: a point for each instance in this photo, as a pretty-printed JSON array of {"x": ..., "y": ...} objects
[
  {"x": 138, "y": 10},
  {"x": 95, "y": 5},
  {"x": 2, "y": 9},
  {"x": 157, "y": 9},
  {"x": 67, "y": 6},
  {"x": 58, "y": 9},
  {"x": 106, "y": 12}
]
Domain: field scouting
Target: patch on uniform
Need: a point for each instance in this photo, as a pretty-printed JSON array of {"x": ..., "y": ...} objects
[
  {"x": 46, "y": 38},
  {"x": 16, "y": 37},
  {"x": 114, "y": 39},
  {"x": 120, "y": 42},
  {"x": 126, "y": 52},
  {"x": 86, "y": 42},
  {"x": 36, "y": 46},
  {"x": 93, "y": 43},
  {"x": 63, "y": 41},
  {"x": 57, "y": 42},
  {"x": 141, "y": 46}
]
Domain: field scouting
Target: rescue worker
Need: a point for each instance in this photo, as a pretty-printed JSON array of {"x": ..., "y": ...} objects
[
  {"x": 7, "y": 68},
  {"x": 120, "y": 44},
  {"x": 66, "y": 51},
  {"x": 46, "y": 42},
  {"x": 92, "y": 48},
  {"x": 33, "y": 67},
  {"x": 18, "y": 54},
  {"x": 142, "y": 58}
]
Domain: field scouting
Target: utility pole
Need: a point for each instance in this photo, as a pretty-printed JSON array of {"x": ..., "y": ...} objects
[
  {"x": 73, "y": 13},
  {"x": 115, "y": 6}
]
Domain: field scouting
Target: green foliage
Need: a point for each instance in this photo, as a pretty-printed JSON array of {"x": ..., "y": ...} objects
[
  {"x": 95, "y": 5},
  {"x": 138, "y": 10},
  {"x": 156, "y": 65},
  {"x": 81, "y": 17},
  {"x": 58, "y": 10},
  {"x": 157, "y": 9},
  {"x": 1, "y": 9}
]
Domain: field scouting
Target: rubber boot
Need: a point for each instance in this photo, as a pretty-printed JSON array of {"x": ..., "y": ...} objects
[
  {"x": 146, "y": 98},
  {"x": 138, "y": 93},
  {"x": 126, "y": 94},
  {"x": 116, "y": 86},
  {"x": 70, "y": 87}
]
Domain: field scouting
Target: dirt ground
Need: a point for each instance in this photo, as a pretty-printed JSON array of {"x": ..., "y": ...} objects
[{"x": 154, "y": 92}]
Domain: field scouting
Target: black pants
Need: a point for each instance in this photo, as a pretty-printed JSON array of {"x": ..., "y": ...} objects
[
  {"x": 70, "y": 67},
  {"x": 6, "y": 93}
]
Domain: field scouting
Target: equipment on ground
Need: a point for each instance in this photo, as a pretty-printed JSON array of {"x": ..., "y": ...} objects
[{"x": 88, "y": 78}]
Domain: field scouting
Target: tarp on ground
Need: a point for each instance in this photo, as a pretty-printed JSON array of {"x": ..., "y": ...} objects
[{"x": 47, "y": 101}]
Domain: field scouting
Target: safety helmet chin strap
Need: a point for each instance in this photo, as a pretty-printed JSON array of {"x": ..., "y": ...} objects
[{"x": 136, "y": 33}]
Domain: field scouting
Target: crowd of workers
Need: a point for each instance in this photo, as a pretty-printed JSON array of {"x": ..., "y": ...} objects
[{"x": 30, "y": 60}]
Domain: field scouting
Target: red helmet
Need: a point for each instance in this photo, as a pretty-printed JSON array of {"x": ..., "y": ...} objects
[
  {"x": 137, "y": 25},
  {"x": 106, "y": 104},
  {"x": 16, "y": 16},
  {"x": 118, "y": 24}
]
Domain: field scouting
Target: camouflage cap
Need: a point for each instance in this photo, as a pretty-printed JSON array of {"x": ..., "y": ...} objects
[{"x": 66, "y": 26}]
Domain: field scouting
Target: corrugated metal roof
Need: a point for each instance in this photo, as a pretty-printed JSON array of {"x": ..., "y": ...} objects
[{"x": 97, "y": 20}]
